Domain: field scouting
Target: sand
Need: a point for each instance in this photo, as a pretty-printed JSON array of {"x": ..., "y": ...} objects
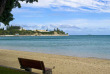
[{"x": 63, "y": 64}]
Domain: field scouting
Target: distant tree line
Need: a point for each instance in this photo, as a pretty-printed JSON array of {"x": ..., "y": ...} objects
[
  {"x": 59, "y": 31},
  {"x": 17, "y": 30},
  {"x": 13, "y": 30}
]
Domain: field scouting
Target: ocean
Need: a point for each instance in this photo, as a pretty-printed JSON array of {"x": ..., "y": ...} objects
[{"x": 95, "y": 46}]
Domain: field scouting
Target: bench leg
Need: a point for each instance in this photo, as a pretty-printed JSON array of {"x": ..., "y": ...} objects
[
  {"x": 28, "y": 69},
  {"x": 48, "y": 72}
]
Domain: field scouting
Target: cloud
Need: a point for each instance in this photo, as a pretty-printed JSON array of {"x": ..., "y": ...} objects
[
  {"x": 72, "y": 5},
  {"x": 25, "y": 10},
  {"x": 2, "y": 25},
  {"x": 29, "y": 16},
  {"x": 69, "y": 26},
  {"x": 74, "y": 26},
  {"x": 17, "y": 10},
  {"x": 102, "y": 28},
  {"x": 27, "y": 13}
]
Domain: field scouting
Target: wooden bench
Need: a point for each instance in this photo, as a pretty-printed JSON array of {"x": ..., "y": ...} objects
[{"x": 27, "y": 64}]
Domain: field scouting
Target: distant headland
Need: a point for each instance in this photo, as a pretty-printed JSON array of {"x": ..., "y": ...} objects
[{"x": 19, "y": 31}]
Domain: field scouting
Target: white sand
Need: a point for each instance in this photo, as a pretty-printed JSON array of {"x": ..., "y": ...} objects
[{"x": 63, "y": 64}]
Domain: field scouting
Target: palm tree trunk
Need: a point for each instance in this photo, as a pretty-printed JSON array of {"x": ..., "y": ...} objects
[{"x": 2, "y": 6}]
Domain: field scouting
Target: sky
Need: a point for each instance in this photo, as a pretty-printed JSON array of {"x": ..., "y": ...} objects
[{"x": 76, "y": 17}]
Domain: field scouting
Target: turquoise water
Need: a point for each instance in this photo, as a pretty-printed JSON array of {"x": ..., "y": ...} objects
[{"x": 80, "y": 46}]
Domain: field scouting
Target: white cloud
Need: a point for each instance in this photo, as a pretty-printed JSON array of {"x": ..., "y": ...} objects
[
  {"x": 73, "y": 5},
  {"x": 71, "y": 24},
  {"x": 24, "y": 10},
  {"x": 20, "y": 10},
  {"x": 75, "y": 26}
]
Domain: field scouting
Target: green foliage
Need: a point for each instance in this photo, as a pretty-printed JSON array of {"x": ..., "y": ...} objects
[
  {"x": 59, "y": 31},
  {"x": 26, "y": 32},
  {"x": 13, "y": 30},
  {"x": 13, "y": 27},
  {"x": 7, "y": 16},
  {"x": 51, "y": 32},
  {"x": 30, "y": 1}
]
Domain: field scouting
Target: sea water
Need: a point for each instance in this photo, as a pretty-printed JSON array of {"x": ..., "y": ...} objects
[{"x": 97, "y": 46}]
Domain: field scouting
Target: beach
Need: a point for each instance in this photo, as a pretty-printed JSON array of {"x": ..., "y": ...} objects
[{"x": 63, "y": 64}]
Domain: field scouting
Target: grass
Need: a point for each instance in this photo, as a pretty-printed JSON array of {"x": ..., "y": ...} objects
[{"x": 4, "y": 70}]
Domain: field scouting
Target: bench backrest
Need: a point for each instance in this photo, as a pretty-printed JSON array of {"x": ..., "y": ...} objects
[{"x": 27, "y": 63}]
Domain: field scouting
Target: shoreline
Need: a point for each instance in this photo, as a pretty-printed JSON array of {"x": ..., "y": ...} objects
[
  {"x": 56, "y": 54},
  {"x": 63, "y": 64},
  {"x": 30, "y": 35}
]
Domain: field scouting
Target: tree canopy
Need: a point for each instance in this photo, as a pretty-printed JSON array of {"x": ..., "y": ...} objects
[{"x": 6, "y": 7}]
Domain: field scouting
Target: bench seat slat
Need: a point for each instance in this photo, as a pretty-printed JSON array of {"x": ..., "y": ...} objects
[{"x": 28, "y": 63}]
